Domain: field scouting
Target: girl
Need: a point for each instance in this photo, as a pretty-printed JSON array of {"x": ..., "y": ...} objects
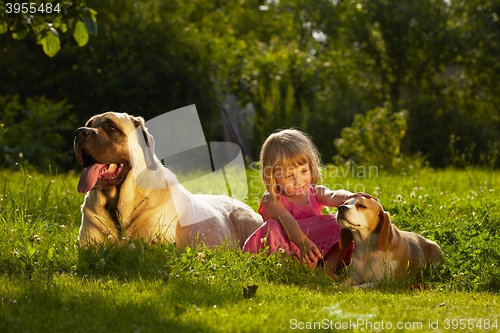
[{"x": 293, "y": 204}]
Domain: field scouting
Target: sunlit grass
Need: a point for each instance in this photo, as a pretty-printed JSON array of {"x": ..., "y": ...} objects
[{"x": 48, "y": 284}]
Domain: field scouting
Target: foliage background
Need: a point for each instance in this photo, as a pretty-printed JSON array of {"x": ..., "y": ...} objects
[{"x": 303, "y": 63}]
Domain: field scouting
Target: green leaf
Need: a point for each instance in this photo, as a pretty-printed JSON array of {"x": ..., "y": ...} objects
[
  {"x": 60, "y": 24},
  {"x": 4, "y": 19},
  {"x": 38, "y": 25},
  {"x": 31, "y": 251},
  {"x": 50, "y": 43},
  {"x": 19, "y": 29},
  {"x": 90, "y": 21},
  {"x": 50, "y": 253},
  {"x": 81, "y": 35},
  {"x": 54, "y": 31}
]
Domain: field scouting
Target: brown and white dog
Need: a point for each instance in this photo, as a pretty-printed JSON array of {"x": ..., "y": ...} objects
[
  {"x": 117, "y": 154},
  {"x": 382, "y": 251}
]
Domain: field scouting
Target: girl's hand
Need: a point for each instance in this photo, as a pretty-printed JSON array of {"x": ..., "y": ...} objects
[
  {"x": 310, "y": 254},
  {"x": 336, "y": 198},
  {"x": 361, "y": 194}
]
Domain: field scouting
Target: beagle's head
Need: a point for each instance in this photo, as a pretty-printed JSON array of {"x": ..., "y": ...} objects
[{"x": 367, "y": 216}]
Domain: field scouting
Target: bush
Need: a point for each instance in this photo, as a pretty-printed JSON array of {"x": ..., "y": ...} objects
[
  {"x": 34, "y": 133},
  {"x": 374, "y": 138}
]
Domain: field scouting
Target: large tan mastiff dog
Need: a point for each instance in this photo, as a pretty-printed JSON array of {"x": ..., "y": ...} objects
[{"x": 117, "y": 154}]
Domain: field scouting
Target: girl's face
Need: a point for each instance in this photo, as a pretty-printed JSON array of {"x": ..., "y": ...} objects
[{"x": 294, "y": 181}]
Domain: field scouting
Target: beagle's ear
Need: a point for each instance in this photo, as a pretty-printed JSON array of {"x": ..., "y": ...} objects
[
  {"x": 386, "y": 234},
  {"x": 345, "y": 238},
  {"x": 149, "y": 153}
]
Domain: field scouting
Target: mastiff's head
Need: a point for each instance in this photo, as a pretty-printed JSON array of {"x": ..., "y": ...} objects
[{"x": 104, "y": 150}]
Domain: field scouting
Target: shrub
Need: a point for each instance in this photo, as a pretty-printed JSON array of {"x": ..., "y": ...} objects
[
  {"x": 374, "y": 138},
  {"x": 35, "y": 132}
]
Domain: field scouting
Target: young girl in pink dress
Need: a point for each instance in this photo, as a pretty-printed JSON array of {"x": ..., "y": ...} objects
[{"x": 293, "y": 204}]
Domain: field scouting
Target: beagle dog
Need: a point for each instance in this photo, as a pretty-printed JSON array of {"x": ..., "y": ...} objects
[{"x": 382, "y": 251}]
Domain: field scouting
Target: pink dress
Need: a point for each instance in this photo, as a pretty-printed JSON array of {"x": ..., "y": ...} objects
[{"x": 322, "y": 230}]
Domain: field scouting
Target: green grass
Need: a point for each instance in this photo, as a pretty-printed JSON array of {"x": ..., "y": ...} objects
[{"x": 48, "y": 284}]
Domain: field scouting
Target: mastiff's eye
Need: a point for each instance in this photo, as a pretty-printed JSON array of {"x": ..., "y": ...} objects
[
  {"x": 111, "y": 128},
  {"x": 361, "y": 206}
]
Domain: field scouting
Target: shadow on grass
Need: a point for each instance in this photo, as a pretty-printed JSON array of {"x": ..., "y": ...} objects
[
  {"x": 63, "y": 304},
  {"x": 225, "y": 269},
  {"x": 136, "y": 259}
]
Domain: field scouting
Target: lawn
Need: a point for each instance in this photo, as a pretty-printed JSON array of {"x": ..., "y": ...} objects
[{"x": 49, "y": 284}]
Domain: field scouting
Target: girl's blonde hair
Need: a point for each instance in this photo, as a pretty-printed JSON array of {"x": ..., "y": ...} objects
[{"x": 284, "y": 149}]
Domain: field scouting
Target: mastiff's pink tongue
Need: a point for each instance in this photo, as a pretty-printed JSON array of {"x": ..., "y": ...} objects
[{"x": 89, "y": 177}]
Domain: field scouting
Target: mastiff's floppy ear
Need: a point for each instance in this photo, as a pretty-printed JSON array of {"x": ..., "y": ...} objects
[{"x": 149, "y": 148}]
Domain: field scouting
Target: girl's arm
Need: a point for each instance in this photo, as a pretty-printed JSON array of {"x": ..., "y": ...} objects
[
  {"x": 274, "y": 209},
  {"x": 331, "y": 198}
]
